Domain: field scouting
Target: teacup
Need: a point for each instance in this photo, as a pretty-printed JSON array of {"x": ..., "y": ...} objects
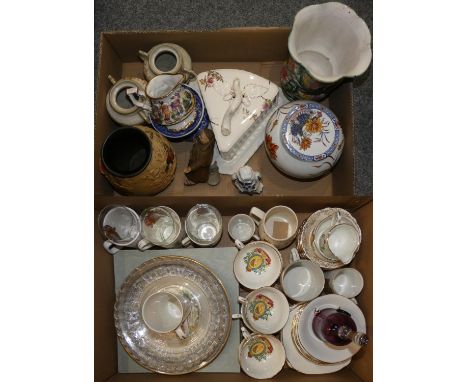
[
  {"x": 302, "y": 280},
  {"x": 278, "y": 225},
  {"x": 261, "y": 356},
  {"x": 170, "y": 102},
  {"x": 340, "y": 241},
  {"x": 242, "y": 227},
  {"x": 257, "y": 264},
  {"x": 203, "y": 225},
  {"x": 264, "y": 310},
  {"x": 161, "y": 226},
  {"x": 165, "y": 312},
  {"x": 347, "y": 282},
  {"x": 120, "y": 226}
]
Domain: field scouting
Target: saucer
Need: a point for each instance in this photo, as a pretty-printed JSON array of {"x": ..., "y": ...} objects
[
  {"x": 296, "y": 360},
  {"x": 258, "y": 264},
  {"x": 198, "y": 118},
  {"x": 209, "y": 321},
  {"x": 319, "y": 349}
]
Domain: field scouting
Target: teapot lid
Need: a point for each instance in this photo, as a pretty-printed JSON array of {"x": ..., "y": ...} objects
[{"x": 310, "y": 132}]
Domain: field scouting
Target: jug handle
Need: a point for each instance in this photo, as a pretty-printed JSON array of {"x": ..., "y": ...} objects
[{"x": 142, "y": 105}]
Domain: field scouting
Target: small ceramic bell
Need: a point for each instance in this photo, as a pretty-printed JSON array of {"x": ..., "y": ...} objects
[{"x": 248, "y": 181}]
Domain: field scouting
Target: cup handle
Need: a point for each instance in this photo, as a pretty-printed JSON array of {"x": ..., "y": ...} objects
[
  {"x": 186, "y": 242},
  {"x": 239, "y": 244},
  {"x": 257, "y": 214},
  {"x": 111, "y": 247},
  {"x": 183, "y": 330},
  {"x": 245, "y": 333},
  {"x": 144, "y": 244},
  {"x": 294, "y": 256},
  {"x": 256, "y": 237},
  {"x": 335, "y": 219},
  {"x": 131, "y": 94},
  {"x": 241, "y": 299},
  {"x": 235, "y": 316}
]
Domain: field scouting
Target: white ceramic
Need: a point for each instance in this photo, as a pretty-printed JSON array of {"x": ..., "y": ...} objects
[
  {"x": 248, "y": 181},
  {"x": 250, "y": 145},
  {"x": 257, "y": 264},
  {"x": 331, "y": 41},
  {"x": 304, "y": 139},
  {"x": 242, "y": 227},
  {"x": 119, "y": 107},
  {"x": 120, "y": 226},
  {"x": 261, "y": 356},
  {"x": 296, "y": 360},
  {"x": 268, "y": 221},
  {"x": 237, "y": 101},
  {"x": 161, "y": 226},
  {"x": 317, "y": 348},
  {"x": 345, "y": 242},
  {"x": 346, "y": 282},
  {"x": 302, "y": 280},
  {"x": 264, "y": 310},
  {"x": 166, "y": 58},
  {"x": 203, "y": 225},
  {"x": 165, "y": 312},
  {"x": 342, "y": 241}
]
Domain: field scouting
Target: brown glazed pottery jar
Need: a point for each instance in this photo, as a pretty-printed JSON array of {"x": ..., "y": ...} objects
[{"x": 137, "y": 161}]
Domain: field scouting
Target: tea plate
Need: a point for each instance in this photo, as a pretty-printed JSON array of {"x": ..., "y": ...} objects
[
  {"x": 296, "y": 360},
  {"x": 319, "y": 349},
  {"x": 209, "y": 320}
]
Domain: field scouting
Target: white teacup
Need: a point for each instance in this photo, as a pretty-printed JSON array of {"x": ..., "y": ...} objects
[
  {"x": 257, "y": 264},
  {"x": 264, "y": 310},
  {"x": 278, "y": 225},
  {"x": 203, "y": 225},
  {"x": 242, "y": 227},
  {"x": 341, "y": 241},
  {"x": 164, "y": 312},
  {"x": 161, "y": 226},
  {"x": 120, "y": 226},
  {"x": 261, "y": 356},
  {"x": 347, "y": 282},
  {"x": 302, "y": 280}
]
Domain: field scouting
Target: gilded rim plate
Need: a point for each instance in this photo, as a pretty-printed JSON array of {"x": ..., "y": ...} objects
[
  {"x": 296, "y": 359},
  {"x": 210, "y": 319}
]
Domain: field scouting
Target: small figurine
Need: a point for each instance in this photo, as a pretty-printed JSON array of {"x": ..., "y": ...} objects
[
  {"x": 201, "y": 155},
  {"x": 248, "y": 181}
]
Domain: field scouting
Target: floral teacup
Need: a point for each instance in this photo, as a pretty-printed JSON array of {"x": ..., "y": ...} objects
[
  {"x": 264, "y": 310},
  {"x": 261, "y": 356},
  {"x": 257, "y": 264}
]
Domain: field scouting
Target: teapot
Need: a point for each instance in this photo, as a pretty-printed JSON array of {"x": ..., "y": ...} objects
[{"x": 166, "y": 58}]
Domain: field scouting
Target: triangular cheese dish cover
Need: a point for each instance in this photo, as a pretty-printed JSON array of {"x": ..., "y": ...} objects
[{"x": 236, "y": 102}]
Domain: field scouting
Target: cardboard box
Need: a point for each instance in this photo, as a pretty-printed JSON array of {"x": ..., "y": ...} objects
[{"x": 259, "y": 50}]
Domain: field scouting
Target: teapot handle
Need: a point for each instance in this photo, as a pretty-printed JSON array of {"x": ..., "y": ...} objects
[{"x": 143, "y": 55}]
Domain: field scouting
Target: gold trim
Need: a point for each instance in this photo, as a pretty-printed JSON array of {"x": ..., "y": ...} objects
[{"x": 181, "y": 258}]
